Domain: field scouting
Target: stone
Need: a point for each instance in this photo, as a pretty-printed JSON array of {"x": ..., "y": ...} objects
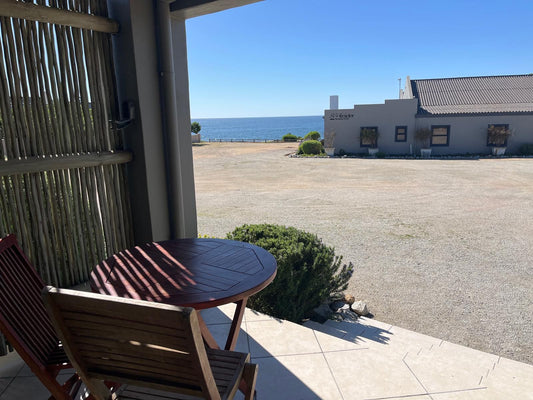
[
  {"x": 349, "y": 299},
  {"x": 336, "y": 305},
  {"x": 359, "y": 307},
  {"x": 322, "y": 313},
  {"x": 345, "y": 314}
]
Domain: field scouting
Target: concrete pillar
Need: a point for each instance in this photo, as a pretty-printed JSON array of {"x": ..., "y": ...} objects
[
  {"x": 183, "y": 112},
  {"x": 135, "y": 54}
]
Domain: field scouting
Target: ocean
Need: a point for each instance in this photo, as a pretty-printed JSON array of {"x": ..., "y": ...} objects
[{"x": 259, "y": 128}]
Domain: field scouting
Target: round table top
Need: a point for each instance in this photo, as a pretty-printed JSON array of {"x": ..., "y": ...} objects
[{"x": 199, "y": 273}]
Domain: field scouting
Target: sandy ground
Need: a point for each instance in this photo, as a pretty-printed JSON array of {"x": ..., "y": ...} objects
[{"x": 441, "y": 247}]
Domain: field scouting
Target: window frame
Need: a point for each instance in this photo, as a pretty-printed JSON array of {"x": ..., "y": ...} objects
[
  {"x": 433, "y": 135},
  {"x": 396, "y": 133},
  {"x": 361, "y": 139},
  {"x": 506, "y": 126}
]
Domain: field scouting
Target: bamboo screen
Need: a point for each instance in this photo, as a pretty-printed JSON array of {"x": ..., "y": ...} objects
[{"x": 62, "y": 184}]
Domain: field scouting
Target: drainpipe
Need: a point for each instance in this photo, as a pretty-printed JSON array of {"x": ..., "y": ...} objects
[{"x": 169, "y": 118}]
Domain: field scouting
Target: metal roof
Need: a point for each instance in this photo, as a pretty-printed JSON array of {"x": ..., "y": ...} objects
[{"x": 474, "y": 95}]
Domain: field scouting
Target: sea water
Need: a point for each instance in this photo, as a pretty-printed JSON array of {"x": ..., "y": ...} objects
[{"x": 258, "y": 128}]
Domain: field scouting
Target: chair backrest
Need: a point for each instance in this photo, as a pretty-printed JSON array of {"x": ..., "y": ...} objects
[
  {"x": 23, "y": 317},
  {"x": 131, "y": 341}
]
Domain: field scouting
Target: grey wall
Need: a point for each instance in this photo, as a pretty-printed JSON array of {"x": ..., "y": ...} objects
[
  {"x": 347, "y": 125},
  {"x": 468, "y": 134}
]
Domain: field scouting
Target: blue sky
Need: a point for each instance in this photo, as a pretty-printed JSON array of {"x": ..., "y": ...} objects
[{"x": 286, "y": 57}]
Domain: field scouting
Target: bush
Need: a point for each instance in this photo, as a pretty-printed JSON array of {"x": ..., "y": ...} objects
[
  {"x": 308, "y": 271},
  {"x": 196, "y": 128},
  {"x": 289, "y": 137},
  {"x": 310, "y": 147},
  {"x": 313, "y": 135},
  {"x": 526, "y": 149}
]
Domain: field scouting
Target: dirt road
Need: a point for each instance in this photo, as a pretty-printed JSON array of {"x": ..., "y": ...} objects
[{"x": 442, "y": 247}]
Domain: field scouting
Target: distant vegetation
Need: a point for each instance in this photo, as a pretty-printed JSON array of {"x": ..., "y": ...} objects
[
  {"x": 289, "y": 137},
  {"x": 310, "y": 147},
  {"x": 196, "y": 128},
  {"x": 313, "y": 135}
]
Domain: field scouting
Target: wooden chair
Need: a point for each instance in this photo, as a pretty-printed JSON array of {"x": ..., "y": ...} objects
[
  {"x": 154, "y": 350},
  {"x": 26, "y": 324}
]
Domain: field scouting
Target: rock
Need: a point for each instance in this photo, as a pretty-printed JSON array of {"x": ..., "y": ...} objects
[
  {"x": 349, "y": 299},
  {"x": 322, "y": 313},
  {"x": 359, "y": 307},
  {"x": 345, "y": 314},
  {"x": 336, "y": 305}
]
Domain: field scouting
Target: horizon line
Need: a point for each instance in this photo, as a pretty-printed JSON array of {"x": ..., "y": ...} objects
[{"x": 264, "y": 116}]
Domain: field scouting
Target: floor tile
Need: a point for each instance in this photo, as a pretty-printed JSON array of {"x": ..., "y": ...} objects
[
  {"x": 218, "y": 315},
  {"x": 278, "y": 338},
  {"x": 4, "y": 382},
  {"x": 10, "y": 365},
  {"x": 220, "y": 333},
  {"x": 304, "y": 377},
  {"x": 252, "y": 315},
  {"x": 337, "y": 340},
  {"x": 510, "y": 378},
  {"x": 477, "y": 394},
  {"x": 369, "y": 374},
  {"x": 25, "y": 388},
  {"x": 361, "y": 331},
  {"x": 450, "y": 367}
]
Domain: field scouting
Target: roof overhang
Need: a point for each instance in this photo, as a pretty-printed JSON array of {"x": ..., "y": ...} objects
[{"x": 194, "y": 8}]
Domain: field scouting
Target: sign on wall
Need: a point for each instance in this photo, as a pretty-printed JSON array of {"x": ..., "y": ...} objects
[{"x": 340, "y": 116}]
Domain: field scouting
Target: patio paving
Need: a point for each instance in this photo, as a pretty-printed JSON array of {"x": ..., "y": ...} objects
[{"x": 367, "y": 359}]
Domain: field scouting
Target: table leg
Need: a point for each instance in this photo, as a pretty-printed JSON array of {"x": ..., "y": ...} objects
[
  {"x": 236, "y": 324},
  {"x": 208, "y": 338}
]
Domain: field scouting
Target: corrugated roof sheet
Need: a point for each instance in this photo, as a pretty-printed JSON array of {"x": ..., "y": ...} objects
[{"x": 481, "y": 94}]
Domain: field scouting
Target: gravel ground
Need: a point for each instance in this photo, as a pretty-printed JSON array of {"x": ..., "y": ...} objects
[{"x": 441, "y": 247}]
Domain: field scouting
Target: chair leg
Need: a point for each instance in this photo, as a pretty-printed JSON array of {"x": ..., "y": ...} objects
[{"x": 249, "y": 376}]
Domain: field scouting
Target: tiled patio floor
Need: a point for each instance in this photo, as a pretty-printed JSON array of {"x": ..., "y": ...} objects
[{"x": 340, "y": 360}]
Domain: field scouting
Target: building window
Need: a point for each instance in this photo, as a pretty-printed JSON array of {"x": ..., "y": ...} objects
[
  {"x": 440, "y": 135},
  {"x": 369, "y": 136},
  {"x": 497, "y": 135},
  {"x": 401, "y": 134}
]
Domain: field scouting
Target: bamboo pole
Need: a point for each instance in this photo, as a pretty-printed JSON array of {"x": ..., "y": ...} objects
[
  {"x": 37, "y": 164},
  {"x": 51, "y": 15}
]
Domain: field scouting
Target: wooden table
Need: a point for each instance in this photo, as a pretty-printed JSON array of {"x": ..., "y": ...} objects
[{"x": 198, "y": 273}]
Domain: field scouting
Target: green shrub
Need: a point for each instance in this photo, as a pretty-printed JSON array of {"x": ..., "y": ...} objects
[
  {"x": 526, "y": 149},
  {"x": 381, "y": 154},
  {"x": 289, "y": 137},
  {"x": 196, "y": 128},
  {"x": 313, "y": 135},
  {"x": 308, "y": 271},
  {"x": 310, "y": 147}
]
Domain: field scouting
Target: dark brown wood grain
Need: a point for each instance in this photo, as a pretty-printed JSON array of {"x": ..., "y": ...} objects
[{"x": 199, "y": 273}]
